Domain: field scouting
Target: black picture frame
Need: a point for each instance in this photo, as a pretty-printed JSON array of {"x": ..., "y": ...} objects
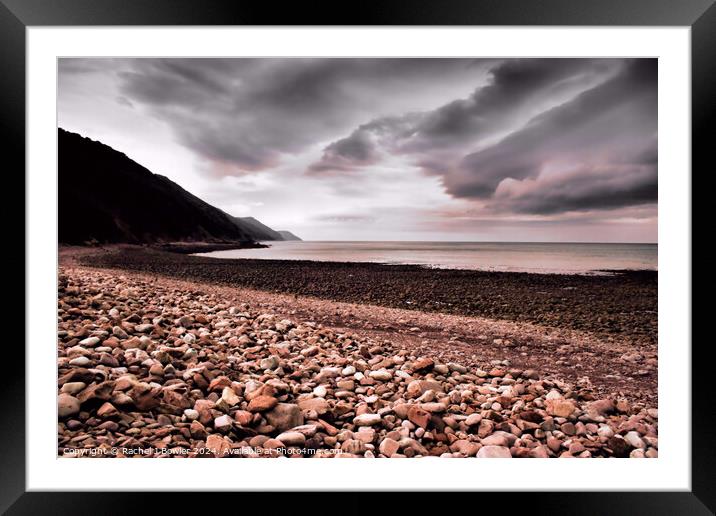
[{"x": 700, "y": 15}]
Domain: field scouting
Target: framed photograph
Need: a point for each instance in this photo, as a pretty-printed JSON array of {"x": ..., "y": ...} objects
[{"x": 389, "y": 244}]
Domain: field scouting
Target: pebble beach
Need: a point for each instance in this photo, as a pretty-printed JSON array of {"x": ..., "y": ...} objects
[{"x": 155, "y": 365}]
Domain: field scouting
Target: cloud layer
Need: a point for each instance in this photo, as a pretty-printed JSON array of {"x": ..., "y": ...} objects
[
  {"x": 250, "y": 113},
  {"x": 602, "y": 137}
]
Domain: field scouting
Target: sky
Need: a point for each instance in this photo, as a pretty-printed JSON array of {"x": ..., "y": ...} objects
[{"x": 389, "y": 149}]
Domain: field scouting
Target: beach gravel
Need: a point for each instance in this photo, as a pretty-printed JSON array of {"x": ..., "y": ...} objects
[
  {"x": 619, "y": 304},
  {"x": 195, "y": 373}
]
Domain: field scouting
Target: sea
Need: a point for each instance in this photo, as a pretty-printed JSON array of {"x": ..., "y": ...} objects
[{"x": 556, "y": 258}]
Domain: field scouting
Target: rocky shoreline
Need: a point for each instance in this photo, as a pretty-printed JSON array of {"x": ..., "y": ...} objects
[
  {"x": 204, "y": 247},
  {"x": 148, "y": 369},
  {"x": 622, "y": 305}
]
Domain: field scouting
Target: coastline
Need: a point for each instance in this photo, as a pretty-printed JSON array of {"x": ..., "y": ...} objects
[
  {"x": 169, "y": 247},
  {"x": 622, "y": 305},
  {"x": 205, "y": 247}
]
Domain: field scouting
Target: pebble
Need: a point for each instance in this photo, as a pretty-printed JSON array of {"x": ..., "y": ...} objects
[
  {"x": 388, "y": 447},
  {"x": 80, "y": 361},
  {"x": 419, "y": 416},
  {"x": 73, "y": 387},
  {"x": 67, "y": 405},
  {"x": 292, "y": 438},
  {"x": 465, "y": 448},
  {"x": 262, "y": 403},
  {"x": 229, "y": 397},
  {"x": 494, "y": 452},
  {"x": 89, "y": 342},
  {"x": 223, "y": 423},
  {"x": 605, "y": 431},
  {"x": 634, "y": 439},
  {"x": 218, "y": 445},
  {"x": 107, "y": 410},
  {"x": 284, "y": 416},
  {"x": 319, "y": 405},
  {"x": 381, "y": 374},
  {"x": 367, "y": 420},
  {"x": 473, "y": 419},
  {"x": 494, "y": 440},
  {"x": 320, "y": 391},
  {"x": 560, "y": 407},
  {"x": 269, "y": 362}
]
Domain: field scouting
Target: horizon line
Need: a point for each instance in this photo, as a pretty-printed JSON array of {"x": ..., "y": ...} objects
[{"x": 474, "y": 241}]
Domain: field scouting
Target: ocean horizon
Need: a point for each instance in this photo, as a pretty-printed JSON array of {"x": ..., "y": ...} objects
[{"x": 537, "y": 257}]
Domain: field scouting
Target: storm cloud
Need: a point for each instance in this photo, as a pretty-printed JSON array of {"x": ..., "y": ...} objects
[
  {"x": 249, "y": 113},
  {"x": 517, "y": 89},
  {"x": 607, "y": 127},
  {"x": 603, "y": 125}
]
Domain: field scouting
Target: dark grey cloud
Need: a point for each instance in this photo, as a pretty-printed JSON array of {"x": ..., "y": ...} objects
[
  {"x": 600, "y": 126},
  {"x": 587, "y": 189},
  {"x": 357, "y": 150},
  {"x": 250, "y": 113},
  {"x": 366, "y": 145},
  {"x": 605, "y": 133},
  {"x": 515, "y": 86}
]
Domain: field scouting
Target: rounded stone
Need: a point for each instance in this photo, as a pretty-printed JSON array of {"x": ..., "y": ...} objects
[{"x": 67, "y": 405}]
